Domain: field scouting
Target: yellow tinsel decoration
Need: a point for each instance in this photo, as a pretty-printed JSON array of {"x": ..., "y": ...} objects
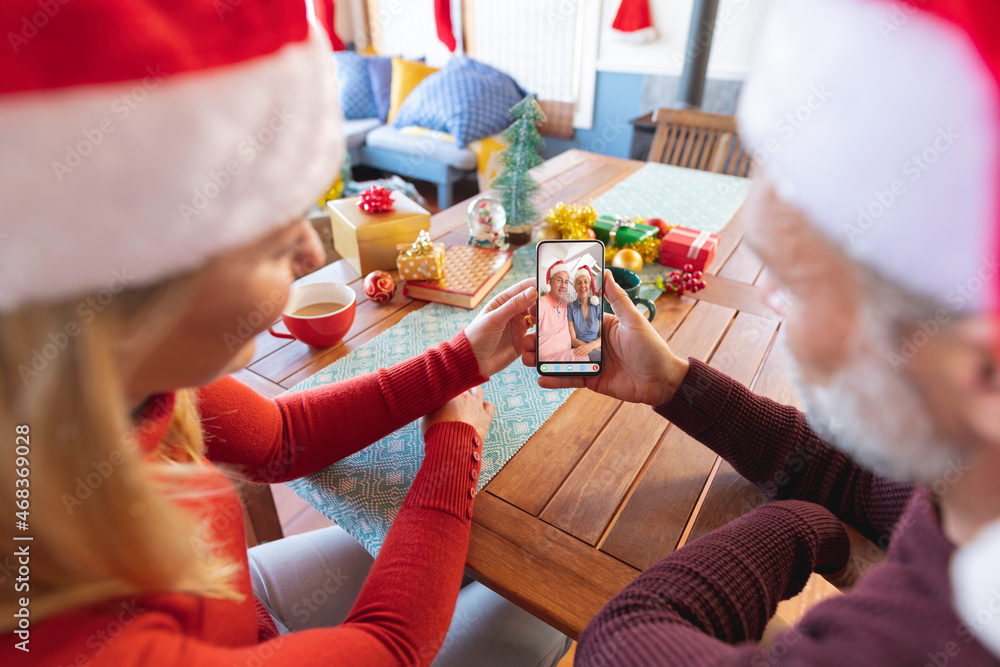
[
  {"x": 649, "y": 249},
  {"x": 572, "y": 222},
  {"x": 609, "y": 253},
  {"x": 333, "y": 193}
]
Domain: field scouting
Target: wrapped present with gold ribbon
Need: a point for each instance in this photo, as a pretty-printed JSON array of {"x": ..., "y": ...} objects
[
  {"x": 421, "y": 260},
  {"x": 367, "y": 230}
]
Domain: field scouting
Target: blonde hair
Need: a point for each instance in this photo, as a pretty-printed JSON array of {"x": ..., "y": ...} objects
[{"x": 104, "y": 516}]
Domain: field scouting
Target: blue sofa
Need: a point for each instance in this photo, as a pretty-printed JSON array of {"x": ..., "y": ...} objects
[{"x": 384, "y": 147}]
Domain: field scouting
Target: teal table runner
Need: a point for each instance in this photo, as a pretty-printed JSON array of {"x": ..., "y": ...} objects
[{"x": 363, "y": 493}]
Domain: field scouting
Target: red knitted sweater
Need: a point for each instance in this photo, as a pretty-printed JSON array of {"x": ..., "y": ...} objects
[
  {"x": 708, "y": 603},
  {"x": 405, "y": 607}
]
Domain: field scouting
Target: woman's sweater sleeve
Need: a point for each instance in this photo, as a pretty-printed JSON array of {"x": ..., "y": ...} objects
[
  {"x": 774, "y": 447},
  {"x": 404, "y": 610},
  {"x": 298, "y": 433},
  {"x": 696, "y": 606}
]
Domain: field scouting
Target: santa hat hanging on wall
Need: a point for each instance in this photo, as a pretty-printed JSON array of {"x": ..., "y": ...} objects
[
  {"x": 634, "y": 22},
  {"x": 587, "y": 273},
  {"x": 442, "y": 19}
]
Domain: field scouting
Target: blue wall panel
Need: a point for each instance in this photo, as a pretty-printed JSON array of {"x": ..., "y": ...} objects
[{"x": 618, "y": 100}]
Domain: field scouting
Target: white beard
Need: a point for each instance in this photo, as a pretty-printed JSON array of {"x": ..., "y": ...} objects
[
  {"x": 975, "y": 580},
  {"x": 873, "y": 414}
]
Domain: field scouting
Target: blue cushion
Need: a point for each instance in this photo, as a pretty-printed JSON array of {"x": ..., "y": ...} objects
[
  {"x": 466, "y": 99},
  {"x": 423, "y": 149},
  {"x": 354, "y": 86},
  {"x": 380, "y": 73}
]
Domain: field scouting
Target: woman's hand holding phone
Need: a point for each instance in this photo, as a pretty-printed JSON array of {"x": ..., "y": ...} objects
[{"x": 638, "y": 365}]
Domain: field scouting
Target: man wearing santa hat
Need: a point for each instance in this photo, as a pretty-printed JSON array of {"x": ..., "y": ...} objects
[
  {"x": 554, "y": 342},
  {"x": 876, "y": 129}
]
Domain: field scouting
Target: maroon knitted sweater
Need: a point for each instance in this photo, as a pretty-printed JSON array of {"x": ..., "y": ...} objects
[{"x": 708, "y": 603}]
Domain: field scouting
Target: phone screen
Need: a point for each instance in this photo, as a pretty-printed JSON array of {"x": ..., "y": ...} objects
[{"x": 570, "y": 307}]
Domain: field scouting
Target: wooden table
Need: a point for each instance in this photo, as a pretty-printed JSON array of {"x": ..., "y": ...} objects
[{"x": 604, "y": 489}]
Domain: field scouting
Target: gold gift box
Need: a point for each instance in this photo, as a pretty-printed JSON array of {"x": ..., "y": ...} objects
[
  {"x": 368, "y": 240},
  {"x": 427, "y": 265}
]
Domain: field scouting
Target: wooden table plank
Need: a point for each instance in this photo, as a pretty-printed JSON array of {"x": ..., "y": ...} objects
[
  {"x": 743, "y": 265},
  {"x": 729, "y": 495},
  {"x": 540, "y": 568},
  {"x": 532, "y": 477},
  {"x": 729, "y": 239},
  {"x": 587, "y": 501},
  {"x": 653, "y": 521},
  {"x": 591, "y": 495},
  {"x": 529, "y": 480},
  {"x": 734, "y": 294}
]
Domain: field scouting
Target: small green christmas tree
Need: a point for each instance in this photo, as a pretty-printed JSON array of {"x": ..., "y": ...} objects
[{"x": 514, "y": 185}]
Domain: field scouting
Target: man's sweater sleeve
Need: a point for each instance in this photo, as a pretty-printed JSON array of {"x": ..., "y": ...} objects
[
  {"x": 774, "y": 447},
  {"x": 698, "y": 604},
  {"x": 298, "y": 433}
]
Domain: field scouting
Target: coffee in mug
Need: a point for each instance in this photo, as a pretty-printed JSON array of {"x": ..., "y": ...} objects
[
  {"x": 318, "y": 314},
  {"x": 318, "y": 309}
]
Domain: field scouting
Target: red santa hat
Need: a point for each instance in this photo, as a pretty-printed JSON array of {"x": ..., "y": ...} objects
[
  {"x": 144, "y": 140},
  {"x": 633, "y": 22},
  {"x": 881, "y": 120},
  {"x": 553, "y": 270},
  {"x": 585, "y": 271}
]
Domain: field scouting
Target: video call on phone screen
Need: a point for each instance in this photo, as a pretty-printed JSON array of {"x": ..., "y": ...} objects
[{"x": 570, "y": 307}]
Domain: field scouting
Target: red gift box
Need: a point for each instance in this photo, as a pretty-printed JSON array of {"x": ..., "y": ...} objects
[{"x": 682, "y": 245}]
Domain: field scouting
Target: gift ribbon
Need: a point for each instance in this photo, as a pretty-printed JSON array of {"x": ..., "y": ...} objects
[
  {"x": 700, "y": 238},
  {"x": 422, "y": 246},
  {"x": 698, "y": 243},
  {"x": 621, "y": 222}
]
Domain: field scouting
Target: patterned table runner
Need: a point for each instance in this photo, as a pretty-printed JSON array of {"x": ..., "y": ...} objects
[{"x": 363, "y": 493}]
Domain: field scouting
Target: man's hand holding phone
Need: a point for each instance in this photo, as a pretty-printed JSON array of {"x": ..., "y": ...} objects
[{"x": 638, "y": 365}]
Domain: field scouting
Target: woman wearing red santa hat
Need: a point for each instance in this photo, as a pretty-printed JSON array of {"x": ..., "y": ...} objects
[
  {"x": 158, "y": 160},
  {"x": 585, "y": 316}
]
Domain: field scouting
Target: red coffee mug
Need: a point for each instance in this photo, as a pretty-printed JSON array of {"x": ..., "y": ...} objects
[{"x": 323, "y": 330}]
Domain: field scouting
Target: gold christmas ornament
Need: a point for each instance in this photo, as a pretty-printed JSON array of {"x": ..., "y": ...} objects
[
  {"x": 626, "y": 258},
  {"x": 571, "y": 222},
  {"x": 545, "y": 232}
]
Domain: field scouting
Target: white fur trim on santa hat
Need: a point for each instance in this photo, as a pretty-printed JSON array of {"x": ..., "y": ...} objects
[
  {"x": 975, "y": 580},
  {"x": 152, "y": 177},
  {"x": 641, "y": 36},
  {"x": 885, "y": 133}
]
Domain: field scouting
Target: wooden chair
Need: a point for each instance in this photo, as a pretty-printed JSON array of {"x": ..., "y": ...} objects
[{"x": 699, "y": 140}]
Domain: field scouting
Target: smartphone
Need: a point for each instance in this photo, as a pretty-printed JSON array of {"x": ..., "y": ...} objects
[{"x": 570, "y": 307}]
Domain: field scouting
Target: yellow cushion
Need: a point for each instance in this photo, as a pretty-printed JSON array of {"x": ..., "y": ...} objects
[{"x": 405, "y": 77}]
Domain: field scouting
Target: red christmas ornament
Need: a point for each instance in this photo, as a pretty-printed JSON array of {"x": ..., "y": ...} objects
[
  {"x": 379, "y": 286},
  {"x": 661, "y": 226},
  {"x": 376, "y": 199}
]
